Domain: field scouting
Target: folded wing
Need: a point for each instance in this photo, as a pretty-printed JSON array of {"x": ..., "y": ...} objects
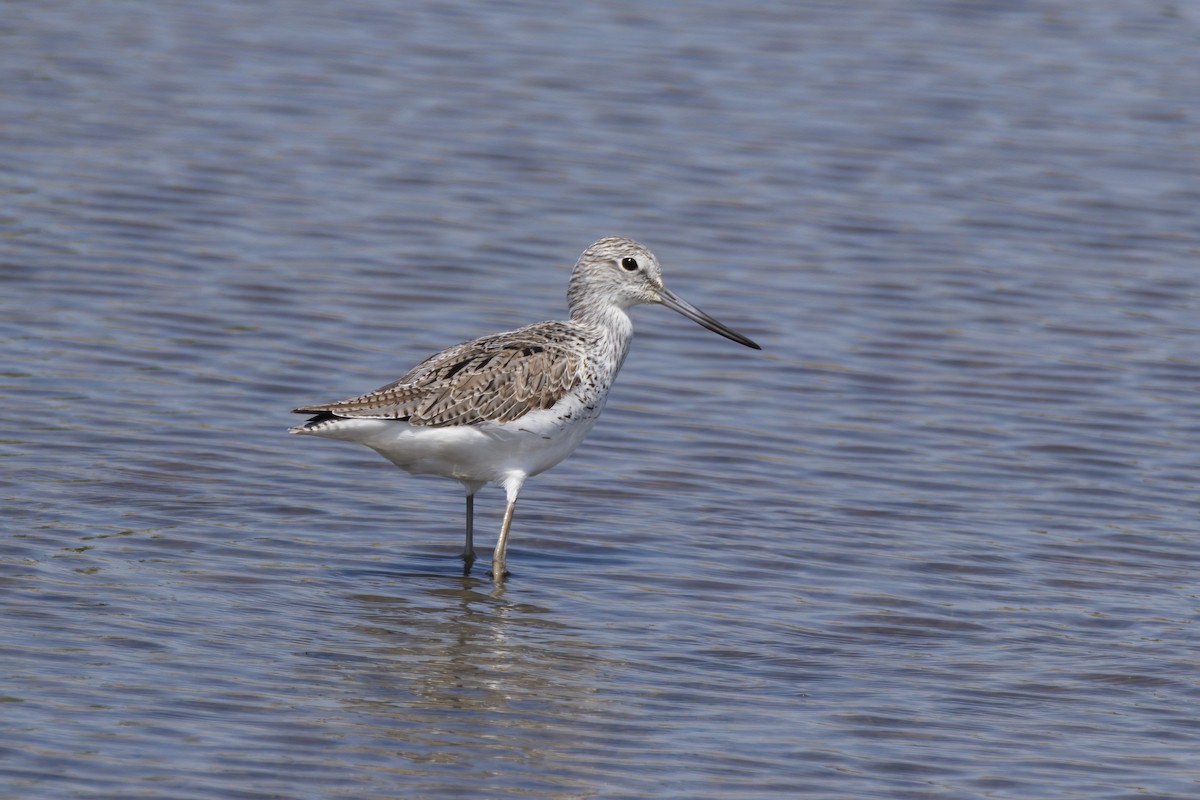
[{"x": 495, "y": 379}]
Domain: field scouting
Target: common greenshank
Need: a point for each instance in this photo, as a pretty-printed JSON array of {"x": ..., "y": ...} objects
[{"x": 505, "y": 407}]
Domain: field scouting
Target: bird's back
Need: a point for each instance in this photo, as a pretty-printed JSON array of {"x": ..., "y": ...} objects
[{"x": 498, "y": 378}]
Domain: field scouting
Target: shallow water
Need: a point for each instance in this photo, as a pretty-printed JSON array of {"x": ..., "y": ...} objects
[{"x": 937, "y": 540}]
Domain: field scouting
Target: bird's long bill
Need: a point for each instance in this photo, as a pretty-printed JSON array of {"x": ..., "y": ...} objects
[{"x": 676, "y": 303}]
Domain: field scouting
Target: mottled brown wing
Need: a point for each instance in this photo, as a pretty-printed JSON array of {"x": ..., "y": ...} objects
[{"x": 495, "y": 379}]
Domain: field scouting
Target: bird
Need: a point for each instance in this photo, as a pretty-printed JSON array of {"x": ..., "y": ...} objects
[{"x": 502, "y": 408}]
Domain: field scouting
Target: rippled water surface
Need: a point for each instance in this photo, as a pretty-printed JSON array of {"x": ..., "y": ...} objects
[{"x": 936, "y": 540}]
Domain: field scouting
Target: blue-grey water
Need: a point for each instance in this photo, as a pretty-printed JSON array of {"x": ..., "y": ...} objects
[{"x": 937, "y": 540}]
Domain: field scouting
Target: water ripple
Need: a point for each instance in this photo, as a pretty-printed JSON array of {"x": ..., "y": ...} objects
[{"x": 935, "y": 541}]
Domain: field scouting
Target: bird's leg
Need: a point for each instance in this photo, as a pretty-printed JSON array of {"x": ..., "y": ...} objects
[
  {"x": 468, "y": 553},
  {"x": 512, "y": 487},
  {"x": 498, "y": 571}
]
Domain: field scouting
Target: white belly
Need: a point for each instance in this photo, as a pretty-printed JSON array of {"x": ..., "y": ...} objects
[{"x": 484, "y": 453}]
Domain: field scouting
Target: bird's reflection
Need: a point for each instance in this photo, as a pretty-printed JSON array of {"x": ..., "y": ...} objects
[{"x": 468, "y": 672}]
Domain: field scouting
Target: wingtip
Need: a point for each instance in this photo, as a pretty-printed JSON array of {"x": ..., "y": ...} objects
[{"x": 306, "y": 426}]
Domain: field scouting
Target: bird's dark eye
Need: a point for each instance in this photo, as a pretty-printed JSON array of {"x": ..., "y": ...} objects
[{"x": 629, "y": 264}]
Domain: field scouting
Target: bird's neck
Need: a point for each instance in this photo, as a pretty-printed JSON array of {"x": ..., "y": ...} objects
[{"x": 611, "y": 324}]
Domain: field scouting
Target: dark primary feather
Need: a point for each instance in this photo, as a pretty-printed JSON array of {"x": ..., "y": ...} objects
[{"x": 497, "y": 378}]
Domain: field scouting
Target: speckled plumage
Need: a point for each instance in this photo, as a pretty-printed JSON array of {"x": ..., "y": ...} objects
[
  {"x": 504, "y": 407},
  {"x": 497, "y": 378}
]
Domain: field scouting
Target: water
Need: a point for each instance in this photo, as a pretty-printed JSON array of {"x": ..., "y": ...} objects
[{"x": 936, "y": 541}]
